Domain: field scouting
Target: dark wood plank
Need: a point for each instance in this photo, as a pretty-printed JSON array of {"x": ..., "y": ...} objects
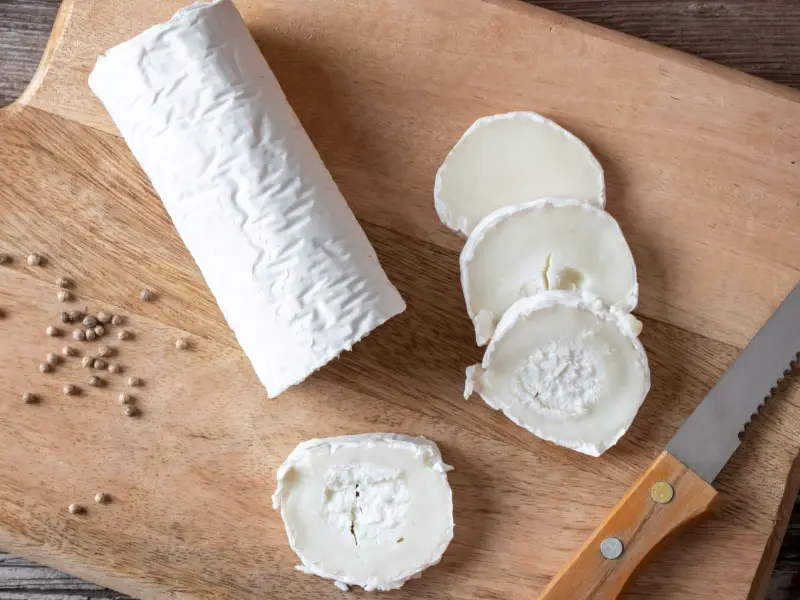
[{"x": 761, "y": 37}]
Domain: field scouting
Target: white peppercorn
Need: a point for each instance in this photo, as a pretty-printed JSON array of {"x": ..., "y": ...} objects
[
  {"x": 99, "y": 330},
  {"x": 89, "y": 321},
  {"x": 64, "y": 296},
  {"x": 181, "y": 343},
  {"x": 90, "y": 334},
  {"x": 131, "y": 411},
  {"x": 68, "y": 351},
  {"x": 134, "y": 382},
  {"x": 63, "y": 282},
  {"x": 99, "y": 364},
  {"x": 123, "y": 334},
  {"x": 87, "y": 361},
  {"x": 145, "y": 295},
  {"x": 4, "y": 258},
  {"x": 70, "y": 390},
  {"x": 79, "y": 335},
  {"x": 65, "y": 317},
  {"x": 76, "y": 509},
  {"x": 96, "y": 381},
  {"x": 103, "y": 317},
  {"x": 45, "y": 368},
  {"x": 75, "y": 315},
  {"x": 102, "y": 498},
  {"x": 53, "y": 331},
  {"x": 29, "y": 398},
  {"x": 104, "y": 351},
  {"x": 116, "y": 320},
  {"x": 114, "y": 368},
  {"x": 126, "y": 398},
  {"x": 52, "y": 359},
  {"x": 34, "y": 260}
]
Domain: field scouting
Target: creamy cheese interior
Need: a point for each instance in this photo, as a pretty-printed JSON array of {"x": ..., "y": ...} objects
[
  {"x": 509, "y": 159},
  {"x": 545, "y": 245},
  {"x": 373, "y": 511},
  {"x": 567, "y": 374}
]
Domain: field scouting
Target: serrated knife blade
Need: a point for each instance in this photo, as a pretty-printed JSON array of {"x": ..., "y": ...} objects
[{"x": 710, "y": 435}]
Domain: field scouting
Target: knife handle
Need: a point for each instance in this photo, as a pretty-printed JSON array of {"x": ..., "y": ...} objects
[{"x": 666, "y": 499}]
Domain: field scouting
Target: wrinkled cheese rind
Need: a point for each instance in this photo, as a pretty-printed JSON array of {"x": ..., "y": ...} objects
[
  {"x": 566, "y": 369},
  {"x": 511, "y": 158},
  {"x": 371, "y": 510},
  {"x": 547, "y": 244},
  {"x": 291, "y": 269}
]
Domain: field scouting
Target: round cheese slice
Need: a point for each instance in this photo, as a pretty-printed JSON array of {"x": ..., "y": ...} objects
[
  {"x": 547, "y": 244},
  {"x": 566, "y": 369},
  {"x": 371, "y": 510},
  {"x": 512, "y": 158}
]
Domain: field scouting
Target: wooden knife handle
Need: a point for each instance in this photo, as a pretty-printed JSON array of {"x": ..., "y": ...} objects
[{"x": 642, "y": 524}]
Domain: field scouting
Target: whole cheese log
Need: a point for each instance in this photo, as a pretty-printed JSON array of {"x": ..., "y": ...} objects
[{"x": 290, "y": 267}]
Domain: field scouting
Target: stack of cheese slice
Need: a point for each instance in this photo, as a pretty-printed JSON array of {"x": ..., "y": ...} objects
[{"x": 549, "y": 281}]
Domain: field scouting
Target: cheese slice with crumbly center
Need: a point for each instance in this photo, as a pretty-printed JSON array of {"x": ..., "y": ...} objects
[
  {"x": 566, "y": 369},
  {"x": 371, "y": 510}
]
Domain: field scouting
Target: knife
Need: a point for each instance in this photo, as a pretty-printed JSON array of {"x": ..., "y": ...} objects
[{"x": 676, "y": 489}]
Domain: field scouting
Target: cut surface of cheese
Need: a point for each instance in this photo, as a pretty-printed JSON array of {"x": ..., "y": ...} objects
[
  {"x": 548, "y": 244},
  {"x": 511, "y": 158},
  {"x": 566, "y": 369},
  {"x": 370, "y": 510},
  {"x": 291, "y": 269}
]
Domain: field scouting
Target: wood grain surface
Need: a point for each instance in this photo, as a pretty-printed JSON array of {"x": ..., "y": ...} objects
[{"x": 82, "y": 214}]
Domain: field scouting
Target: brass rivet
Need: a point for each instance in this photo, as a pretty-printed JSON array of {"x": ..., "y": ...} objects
[{"x": 662, "y": 492}]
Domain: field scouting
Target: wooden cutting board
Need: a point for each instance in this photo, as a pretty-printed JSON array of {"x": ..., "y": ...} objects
[{"x": 703, "y": 170}]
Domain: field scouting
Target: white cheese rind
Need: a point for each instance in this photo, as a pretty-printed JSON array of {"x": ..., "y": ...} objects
[
  {"x": 371, "y": 510},
  {"x": 511, "y": 158},
  {"x": 566, "y": 369},
  {"x": 291, "y": 269},
  {"x": 547, "y": 244}
]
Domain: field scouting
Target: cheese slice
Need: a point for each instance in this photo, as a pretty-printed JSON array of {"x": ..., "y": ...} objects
[
  {"x": 566, "y": 369},
  {"x": 549, "y": 244},
  {"x": 290, "y": 267},
  {"x": 371, "y": 510},
  {"x": 509, "y": 159}
]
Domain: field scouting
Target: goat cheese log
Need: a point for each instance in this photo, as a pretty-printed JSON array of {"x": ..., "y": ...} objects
[{"x": 290, "y": 267}]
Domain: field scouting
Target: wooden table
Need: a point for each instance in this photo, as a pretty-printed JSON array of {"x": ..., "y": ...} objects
[{"x": 761, "y": 37}]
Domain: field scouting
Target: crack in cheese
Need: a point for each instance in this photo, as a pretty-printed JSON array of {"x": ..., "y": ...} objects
[
  {"x": 371, "y": 510},
  {"x": 291, "y": 269},
  {"x": 546, "y": 244},
  {"x": 565, "y": 368},
  {"x": 507, "y": 159}
]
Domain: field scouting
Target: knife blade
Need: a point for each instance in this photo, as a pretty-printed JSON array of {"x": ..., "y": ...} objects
[{"x": 676, "y": 489}]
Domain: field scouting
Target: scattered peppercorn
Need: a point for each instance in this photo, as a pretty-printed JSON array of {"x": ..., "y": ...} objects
[
  {"x": 103, "y": 317},
  {"x": 68, "y": 351},
  {"x": 63, "y": 282},
  {"x": 104, "y": 351},
  {"x": 123, "y": 334},
  {"x": 90, "y": 334},
  {"x": 64, "y": 296},
  {"x": 45, "y": 368},
  {"x": 52, "y": 359},
  {"x": 29, "y": 398},
  {"x": 99, "y": 364},
  {"x": 4, "y": 258},
  {"x": 116, "y": 320},
  {"x": 114, "y": 368},
  {"x": 102, "y": 498},
  {"x": 99, "y": 330},
  {"x": 87, "y": 362},
  {"x": 76, "y": 509},
  {"x": 134, "y": 382},
  {"x": 181, "y": 343},
  {"x": 89, "y": 321},
  {"x": 145, "y": 295},
  {"x": 96, "y": 381},
  {"x": 79, "y": 335},
  {"x": 53, "y": 331},
  {"x": 131, "y": 411},
  {"x": 65, "y": 317},
  {"x": 34, "y": 260},
  {"x": 75, "y": 315},
  {"x": 126, "y": 398},
  {"x": 70, "y": 390}
]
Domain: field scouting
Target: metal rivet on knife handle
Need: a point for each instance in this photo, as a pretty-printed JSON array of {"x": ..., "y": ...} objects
[
  {"x": 611, "y": 548},
  {"x": 662, "y": 492}
]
